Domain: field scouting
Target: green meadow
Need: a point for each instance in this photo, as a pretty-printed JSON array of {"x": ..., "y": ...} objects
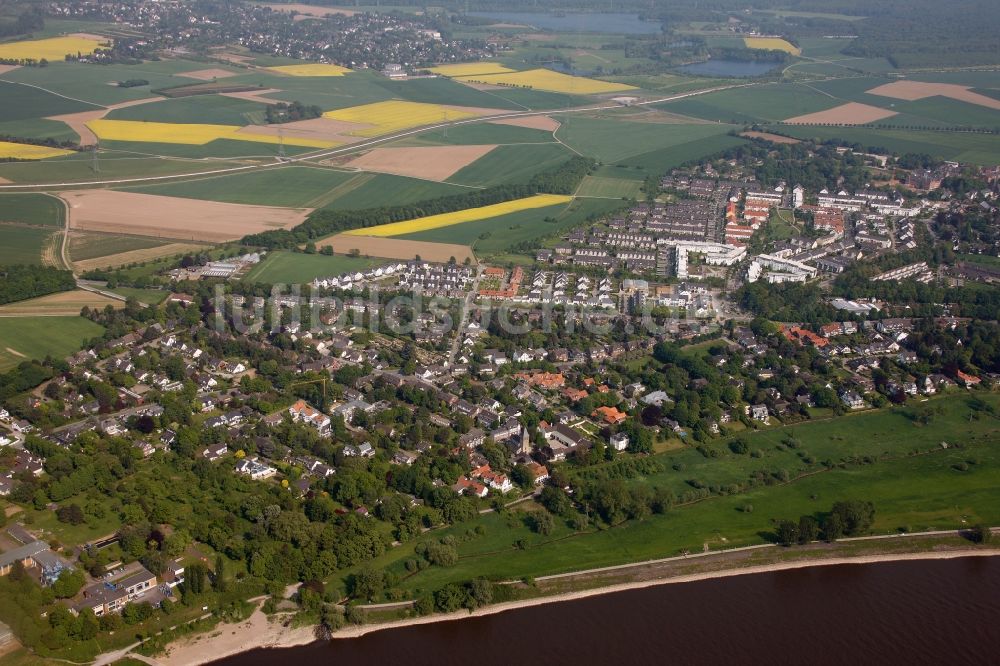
[
  {"x": 23, "y": 338},
  {"x": 297, "y": 268}
]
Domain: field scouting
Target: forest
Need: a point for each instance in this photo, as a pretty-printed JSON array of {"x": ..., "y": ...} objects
[{"x": 18, "y": 283}]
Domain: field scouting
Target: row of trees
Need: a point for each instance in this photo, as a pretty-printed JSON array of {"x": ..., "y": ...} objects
[{"x": 849, "y": 518}]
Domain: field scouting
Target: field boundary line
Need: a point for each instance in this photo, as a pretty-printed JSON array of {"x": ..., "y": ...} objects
[{"x": 53, "y": 92}]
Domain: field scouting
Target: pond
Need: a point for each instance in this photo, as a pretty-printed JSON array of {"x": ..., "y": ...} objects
[
  {"x": 617, "y": 24},
  {"x": 729, "y": 68}
]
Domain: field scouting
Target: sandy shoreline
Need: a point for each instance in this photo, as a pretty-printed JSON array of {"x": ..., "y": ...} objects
[{"x": 257, "y": 632}]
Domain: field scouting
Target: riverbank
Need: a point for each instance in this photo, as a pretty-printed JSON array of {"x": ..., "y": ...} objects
[{"x": 261, "y": 632}]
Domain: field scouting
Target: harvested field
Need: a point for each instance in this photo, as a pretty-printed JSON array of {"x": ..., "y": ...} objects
[
  {"x": 136, "y": 256},
  {"x": 7, "y": 68},
  {"x": 773, "y": 138},
  {"x": 431, "y": 163},
  {"x": 393, "y": 248},
  {"x": 256, "y": 96},
  {"x": 78, "y": 121},
  {"x": 208, "y": 74},
  {"x": 311, "y": 69},
  {"x": 62, "y": 303},
  {"x": 397, "y": 115},
  {"x": 308, "y": 10},
  {"x": 914, "y": 90},
  {"x": 851, "y": 113},
  {"x": 547, "y": 79},
  {"x": 172, "y": 217},
  {"x": 314, "y": 130},
  {"x": 471, "y": 69},
  {"x": 544, "y": 123}
]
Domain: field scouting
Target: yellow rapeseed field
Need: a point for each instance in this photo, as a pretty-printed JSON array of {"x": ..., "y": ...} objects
[
  {"x": 311, "y": 69},
  {"x": 187, "y": 134},
  {"x": 546, "y": 79},
  {"x": 24, "y": 151},
  {"x": 471, "y": 68},
  {"x": 461, "y": 216},
  {"x": 52, "y": 49},
  {"x": 771, "y": 44},
  {"x": 396, "y": 115}
]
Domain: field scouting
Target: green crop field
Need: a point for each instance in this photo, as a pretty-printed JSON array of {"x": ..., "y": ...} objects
[
  {"x": 79, "y": 168},
  {"x": 618, "y": 140},
  {"x": 297, "y": 268},
  {"x": 330, "y": 93},
  {"x": 659, "y": 161},
  {"x": 948, "y": 499},
  {"x": 22, "y": 245},
  {"x": 83, "y": 246},
  {"x": 476, "y": 134},
  {"x": 940, "y": 110},
  {"x": 39, "y": 128},
  {"x": 374, "y": 191},
  {"x": 23, "y": 102},
  {"x": 609, "y": 188},
  {"x": 511, "y": 164},
  {"x": 35, "y": 209},
  {"x": 445, "y": 91},
  {"x": 969, "y": 147},
  {"x": 202, "y": 109},
  {"x": 525, "y": 98},
  {"x": 150, "y": 296},
  {"x": 294, "y": 186},
  {"x": 776, "y": 101},
  {"x": 499, "y": 234},
  {"x": 220, "y": 148},
  {"x": 22, "y": 338}
]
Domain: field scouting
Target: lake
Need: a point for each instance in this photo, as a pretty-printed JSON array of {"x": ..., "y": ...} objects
[
  {"x": 916, "y": 612},
  {"x": 729, "y": 68},
  {"x": 618, "y": 24}
]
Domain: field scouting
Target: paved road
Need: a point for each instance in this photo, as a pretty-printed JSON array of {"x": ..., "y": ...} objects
[
  {"x": 364, "y": 144},
  {"x": 466, "y": 311}
]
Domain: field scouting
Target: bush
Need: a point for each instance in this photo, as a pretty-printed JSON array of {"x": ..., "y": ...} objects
[{"x": 980, "y": 534}]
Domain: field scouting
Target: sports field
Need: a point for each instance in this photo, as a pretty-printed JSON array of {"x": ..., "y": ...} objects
[
  {"x": 55, "y": 48},
  {"x": 297, "y": 268},
  {"x": 547, "y": 79},
  {"x": 396, "y": 115},
  {"x": 310, "y": 69},
  {"x": 461, "y": 216},
  {"x": 771, "y": 44},
  {"x": 23, "y": 338},
  {"x": 26, "y": 151},
  {"x": 609, "y": 188},
  {"x": 188, "y": 133}
]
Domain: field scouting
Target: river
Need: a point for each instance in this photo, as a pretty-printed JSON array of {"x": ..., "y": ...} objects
[{"x": 916, "y": 612}]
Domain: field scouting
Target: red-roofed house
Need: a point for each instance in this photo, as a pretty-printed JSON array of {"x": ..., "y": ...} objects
[{"x": 611, "y": 415}]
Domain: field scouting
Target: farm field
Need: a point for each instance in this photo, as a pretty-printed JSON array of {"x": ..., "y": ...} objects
[
  {"x": 609, "y": 188},
  {"x": 396, "y": 248},
  {"x": 367, "y": 190},
  {"x": 548, "y": 80},
  {"x": 297, "y": 268},
  {"x": 188, "y": 133},
  {"x": 61, "y": 303},
  {"x": 39, "y": 128},
  {"x": 470, "y": 68},
  {"x": 477, "y": 134},
  {"x": 428, "y": 162},
  {"x": 444, "y": 91},
  {"x": 24, "y": 103},
  {"x": 294, "y": 186},
  {"x": 772, "y": 102},
  {"x": 23, "y": 245},
  {"x": 511, "y": 164},
  {"x": 80, "y": 168},
  {"x": 771, "y": 44},
  {"x": 616, "y": 140},
  {"x": 948, "y": 499},
  {"x": 34, "y": 209},
  {"x": 206, "y": 109},
  {"x": 311, "y": 69},
  {"x": 396, "y": 115},
  {"x": 169, "y": 217},
  {"x": 461, "y": 216},
  {"x": 138, "y": 256},
  {"x": 148, "y": 296},
  {"x": 23, "y": 338},
  {"x": 84, "y": 246},
  {"x": 54, "y": 48},
  {"x": 983, "y": 149},
  {"x": 852, "y": 113},
  {"x": 27, "y": 151},
  {"x": 497, "y": 235}
]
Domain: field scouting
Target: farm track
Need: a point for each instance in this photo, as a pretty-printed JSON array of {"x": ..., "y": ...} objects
[{"x": 346, "y": 150}]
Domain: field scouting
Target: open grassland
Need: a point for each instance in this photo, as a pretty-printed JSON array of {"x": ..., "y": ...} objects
[
  {"x": 151, "y": 255},
  {"x": 461, "y": 216},
  {"x": 512, "y": 164},
  {"x": 27, "y": 151},
  {"x": 499, "y": 234},
  {"x": 23, "y": 102},
  {"x": 55, "y": 48},
  {"x": 23, "y": 245},
  {"x": 23, "y": 338},
  {"x": 211, "y": 109},
  {"x": 189, "y": 134},
  {"x": 982, "y": 149},
  {"x": 294, "y": 186},
  {"x": 396, "y": 115},
  {"x": 396, "y": 248},
  {"x": 169, "y": 217},
  {"x": 471, "y": 68},
  {"x": 62, "y": 303},
  {"x": 430, "y": 162},
  {"x": 313, "y": 69},
  {"x": 367, "y": 190},
  {"x": 771, "y": 44},
  {"x": 34, "y": 209},
  {"x": 910, "y": 492},
  {"x": 297, "y": 268},
  {"x": 84, "y": 246},
  {"x": 609, "y": 188},
  {"x": 617, "y": 140},
  {"x": 549, "y": 80}
]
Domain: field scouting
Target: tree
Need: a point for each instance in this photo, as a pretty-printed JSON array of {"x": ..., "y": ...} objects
[
  {"x": 833, "y": 527},
  {"x": 219, "y": 582},
  {"x": 980, "y": 534},
  {"x": 857, "y": 516},
  {"x": 787, "y": 532},
  {"x": 368, "y": 584},
  {"x": 808, "y": 529},
  {"x": 68, "y": 584},
  {"x": 542, "y": 522},
  {"x": 449, "y": 598}
]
